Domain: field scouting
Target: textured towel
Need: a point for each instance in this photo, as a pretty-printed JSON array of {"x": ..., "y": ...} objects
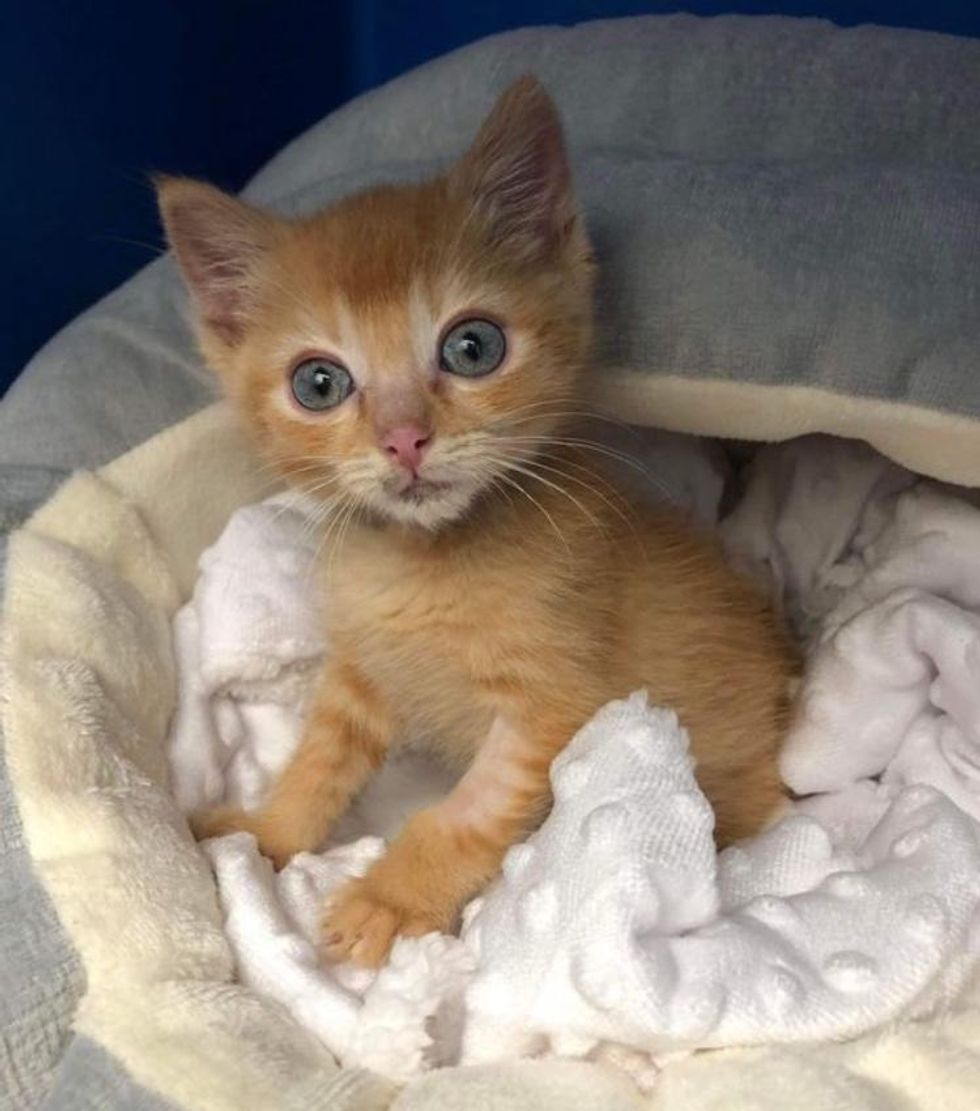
[
  {"x": 616, "y": 925},
  {"x": 886, "y": 578},
  {"x": 245, "y": 645}
]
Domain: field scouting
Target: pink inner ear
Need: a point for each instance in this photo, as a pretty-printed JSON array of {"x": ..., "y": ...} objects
[
  {"x": 517, "y": 169},
  {"x": 217, "y": 241},
  {"x": 216, "y": 275}
]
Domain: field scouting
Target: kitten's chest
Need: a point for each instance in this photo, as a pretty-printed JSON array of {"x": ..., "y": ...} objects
[
  {"x": 396, "y": 599},
  {"x": 430, "y": 635}
]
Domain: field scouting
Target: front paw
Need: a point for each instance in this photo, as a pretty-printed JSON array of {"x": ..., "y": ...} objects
[
  {"x": 274, "y": 842},
  {"x": 360, "y": 924}
]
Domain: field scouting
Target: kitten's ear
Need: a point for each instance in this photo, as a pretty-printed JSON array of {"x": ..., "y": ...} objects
[
  {"x": 219, "y": 243},
  {"x": 517, "y": 171}
]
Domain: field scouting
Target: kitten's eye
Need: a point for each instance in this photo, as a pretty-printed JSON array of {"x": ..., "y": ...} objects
[
  {"x": 473, "y": 348},
  {"x": 320, "y": 384}
]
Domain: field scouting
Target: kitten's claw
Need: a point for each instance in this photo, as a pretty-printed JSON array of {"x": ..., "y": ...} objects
[
  {"x": 219, "y": 821},
  {"x": 360, "y": 925}
]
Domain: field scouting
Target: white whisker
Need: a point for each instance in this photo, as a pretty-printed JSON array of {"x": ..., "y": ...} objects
[{"x": 534, "y": 501}]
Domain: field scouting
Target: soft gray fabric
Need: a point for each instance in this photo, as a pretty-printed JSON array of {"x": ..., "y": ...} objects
[
  {"x": 24, "y": 489},
  {"x": 116, "y": 376},
  {"x": 774, "y": 200},
  {"x": 40, "y": 977},
  {"x": 90, "y": 1080}
]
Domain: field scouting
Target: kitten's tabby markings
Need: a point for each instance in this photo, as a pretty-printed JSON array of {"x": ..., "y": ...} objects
[{"x": 488, "y": 590}]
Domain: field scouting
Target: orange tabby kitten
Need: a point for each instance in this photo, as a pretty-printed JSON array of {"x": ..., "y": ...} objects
[{"x": 413, "y": 354}]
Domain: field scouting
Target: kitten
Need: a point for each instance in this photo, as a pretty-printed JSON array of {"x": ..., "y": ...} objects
[{"x": 415, "y": 356}]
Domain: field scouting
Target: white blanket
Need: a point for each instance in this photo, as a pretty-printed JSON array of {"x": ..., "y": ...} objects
[{"x": 616, "y": 927}]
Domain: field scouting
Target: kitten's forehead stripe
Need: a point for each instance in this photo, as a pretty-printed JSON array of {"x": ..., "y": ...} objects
[
  {"x": 422, "y": 323},
  {"x": 391, "y": 405},
  {"x": 352, "y": 342},
  {"x": 376, "y": 244}
]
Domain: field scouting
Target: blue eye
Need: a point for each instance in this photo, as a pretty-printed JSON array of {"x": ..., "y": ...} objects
[
  {"x": 319, "y": 384},
  {"x": 473, "y": 348}
]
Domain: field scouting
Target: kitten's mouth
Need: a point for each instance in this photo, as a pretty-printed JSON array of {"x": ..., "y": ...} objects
[
  {"x": 425, "y": 502},
  {"x": 417, "y": 491}
]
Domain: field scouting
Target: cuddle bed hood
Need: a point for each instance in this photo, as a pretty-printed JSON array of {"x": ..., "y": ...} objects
[{"x": 788, "y": 220}]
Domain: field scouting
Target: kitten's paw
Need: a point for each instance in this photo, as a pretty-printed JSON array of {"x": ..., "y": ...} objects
[
  {"x": 218, "y": 821},
  {"x": 360, "y": 924}
]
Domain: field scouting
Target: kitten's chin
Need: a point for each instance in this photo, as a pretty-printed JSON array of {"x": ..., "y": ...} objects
[{"x": 427, "y": 505}]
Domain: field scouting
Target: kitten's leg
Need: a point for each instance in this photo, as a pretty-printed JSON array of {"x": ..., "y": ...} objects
[
  {"x": 448, "y": 852},
  {"x": 346, "y": 737}
]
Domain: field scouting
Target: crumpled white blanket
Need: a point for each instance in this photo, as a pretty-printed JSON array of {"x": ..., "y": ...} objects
[{"x": 616, "y": 927}]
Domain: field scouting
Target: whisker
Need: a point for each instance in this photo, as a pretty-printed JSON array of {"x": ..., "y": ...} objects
[
  {"x": 534, "y": 501},
  {"x": 341, "y": 537},
  {"x": 554, "y": 486},
  {"x": 494, "y": 483},
  {"x": 293, "y": 501},
  {"x": 542, "y": 403},
  {"x": 153, "y": 248},
  {"x": 550, "y": 407},
  {"x": 590, "y": 472},
  {"x": 329, "y": 511},
  {"x": 337, "y": 508},
  {"x": 600, "y": 449},
  {"x": 597, "y": 492},
  {"x": 586, "y": 414}
]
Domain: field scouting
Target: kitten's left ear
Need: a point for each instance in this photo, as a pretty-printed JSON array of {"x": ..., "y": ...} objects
[{"x": 516, "y": 172}]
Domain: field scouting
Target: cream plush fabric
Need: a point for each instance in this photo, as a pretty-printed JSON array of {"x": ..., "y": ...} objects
[
  {"x": 92, "y": 585},
  {"x": 94, "y": 581}
]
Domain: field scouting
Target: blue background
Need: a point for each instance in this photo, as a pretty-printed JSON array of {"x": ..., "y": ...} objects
[{"x": 95, "y": 94}]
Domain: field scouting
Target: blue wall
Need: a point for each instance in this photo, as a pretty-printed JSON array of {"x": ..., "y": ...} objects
[{"x": 93, "y": 95}]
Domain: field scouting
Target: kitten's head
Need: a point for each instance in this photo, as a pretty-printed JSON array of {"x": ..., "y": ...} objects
[{"x": 405, "y": 348}]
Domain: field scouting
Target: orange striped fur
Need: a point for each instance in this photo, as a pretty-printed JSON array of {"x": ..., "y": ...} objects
[{"x": 496, "y": 609}]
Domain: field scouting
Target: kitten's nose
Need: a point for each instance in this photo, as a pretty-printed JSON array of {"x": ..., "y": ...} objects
[{"x": 407, "y": 444}]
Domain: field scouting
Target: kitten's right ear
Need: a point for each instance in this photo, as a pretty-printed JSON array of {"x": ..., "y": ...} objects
[
  {"x": 219, "y": 242},
  {"x": 516, "y": 171}
]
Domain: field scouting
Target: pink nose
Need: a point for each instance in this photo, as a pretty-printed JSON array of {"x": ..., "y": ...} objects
[{"x": 407, "y": 444}]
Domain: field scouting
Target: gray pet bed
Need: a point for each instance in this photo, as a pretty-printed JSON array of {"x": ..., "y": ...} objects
[{"x": 787, "y": 217}]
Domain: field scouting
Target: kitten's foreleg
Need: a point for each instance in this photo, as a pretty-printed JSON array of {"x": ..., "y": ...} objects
[
  {"x": 448, "y": 852},
  {"x": 345, "y": 739}
]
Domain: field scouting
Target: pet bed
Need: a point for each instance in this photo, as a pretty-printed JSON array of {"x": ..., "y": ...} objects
[
  {"x": 615, "y": 931},
  {"x": 788, "y": 218}
]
